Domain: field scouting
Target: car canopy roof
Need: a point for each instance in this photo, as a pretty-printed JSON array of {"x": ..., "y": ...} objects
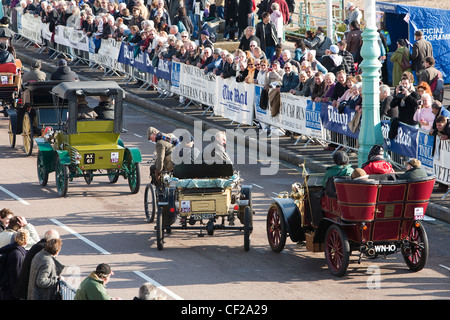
[{"x": 67, "y": 90}]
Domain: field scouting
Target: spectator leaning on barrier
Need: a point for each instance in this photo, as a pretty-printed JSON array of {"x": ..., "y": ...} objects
[{"x": 93, "y": 287}]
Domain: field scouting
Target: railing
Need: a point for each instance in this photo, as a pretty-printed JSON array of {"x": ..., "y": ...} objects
[{"x": 68, "y": 292}]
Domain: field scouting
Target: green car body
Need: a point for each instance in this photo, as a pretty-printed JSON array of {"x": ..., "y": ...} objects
[{"x": 87, "y": 147}]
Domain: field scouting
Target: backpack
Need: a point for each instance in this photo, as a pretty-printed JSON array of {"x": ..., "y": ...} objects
[{"x": 437, "y": 87}]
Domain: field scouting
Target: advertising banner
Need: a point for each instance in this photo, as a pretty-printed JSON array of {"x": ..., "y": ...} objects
[
  {"x": 297, "y": 114},
  {"x": 335, "y": 121},
  {"x": 235, "y": 100},
  {"x": 405, "y": 141},
  {"x": 441, "y": 161}
]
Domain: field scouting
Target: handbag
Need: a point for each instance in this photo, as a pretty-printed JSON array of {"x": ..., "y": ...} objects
[
  {"x": 405, "y": 63},
  {"x": 57, "y": 293}
]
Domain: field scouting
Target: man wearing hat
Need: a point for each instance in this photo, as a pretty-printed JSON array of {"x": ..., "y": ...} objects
[
  {"x": 64, "y": 72},
  {"x": 333, "y": 62},
  {"x": 165, "y": 143},
  {"x": 35, "y": 73},
  {"x": 206, "y": 43},
  {"x": 376, "y": 164},
  {"x": 341, "y": 167},
  {"x": 353, "y": 14},
  {"x": 93, "y": 287},
  {"x": 413, "y": 171}
]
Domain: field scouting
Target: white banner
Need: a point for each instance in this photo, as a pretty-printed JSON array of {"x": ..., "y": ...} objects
[
  {"x": 235, "y": 100},
  {"x": 192, "y": 83},
  {"x": 68, "y": 36},
  {"x": 297, "y": 114},
  {"x": 441, "y": 161},
  {"x": 30, "y": 27},
  {"x": 107, "y": 54}
]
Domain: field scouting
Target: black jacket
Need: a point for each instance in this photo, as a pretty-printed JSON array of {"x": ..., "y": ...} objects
[
  {"x": 261, "y": 33},
  {"x": 407, "y": 109},
  {"x": 6, "y": 57},
  {"x": 64, "y": 73}
]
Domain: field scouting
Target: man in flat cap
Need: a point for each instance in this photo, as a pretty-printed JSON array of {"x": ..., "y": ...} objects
[
  {"x": 35, "y": 73},
  {"x": 64, "y": 72},
  {"x": 413, "y": 171}
]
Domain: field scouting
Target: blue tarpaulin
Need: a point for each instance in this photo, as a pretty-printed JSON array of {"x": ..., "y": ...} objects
[{"x": 403, "y": 20}]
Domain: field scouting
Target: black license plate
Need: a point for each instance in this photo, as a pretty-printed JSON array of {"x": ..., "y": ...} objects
[{"x": 89, "y": 158}]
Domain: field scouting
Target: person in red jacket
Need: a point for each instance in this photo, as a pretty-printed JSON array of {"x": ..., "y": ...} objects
[{"x": 376, "y": 163}]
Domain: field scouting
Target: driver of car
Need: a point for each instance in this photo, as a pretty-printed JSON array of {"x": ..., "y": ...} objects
[
  {"x": 165, "y": 143},
  {"x": 105, "y": 108},
  {"x": 84, "y": 111}
]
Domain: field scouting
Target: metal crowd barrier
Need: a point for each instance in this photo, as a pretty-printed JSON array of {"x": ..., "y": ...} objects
[{"x": 68, "y": 292}]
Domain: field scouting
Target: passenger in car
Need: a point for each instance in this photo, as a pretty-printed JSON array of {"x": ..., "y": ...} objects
[
  {"x": 376, "y": 164},
  {"x": 413, "y": 171}
]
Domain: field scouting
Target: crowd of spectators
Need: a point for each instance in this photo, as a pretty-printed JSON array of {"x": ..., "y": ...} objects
[{"x": 317, "y": 68}]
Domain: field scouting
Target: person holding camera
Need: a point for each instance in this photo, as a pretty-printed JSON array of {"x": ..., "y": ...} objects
[{"x": 405, "y": 99}]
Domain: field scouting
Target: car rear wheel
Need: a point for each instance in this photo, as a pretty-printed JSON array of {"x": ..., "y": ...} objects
[
  {"x": 12, "y": 135},
  {"x": 247, "y": 227},
  {"x": 418, "y": 252},
  {"x": 27, "y": 134},
  {"x": 159, "y": 229},
  {"x": 337, "y": 250}
]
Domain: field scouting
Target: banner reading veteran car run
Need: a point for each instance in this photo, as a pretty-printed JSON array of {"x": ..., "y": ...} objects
[
  {"x": 192, "y": 83},
  {"x": 297, "y": 114}
]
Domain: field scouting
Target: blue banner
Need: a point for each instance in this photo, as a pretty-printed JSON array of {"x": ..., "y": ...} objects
[
  {"x": 335, "y": 121},
  {"x": 312, "y": 115},
  {"x": 425, "y": 149},
  {"x": 131, "y": 56},
  {"x": 405, "y": 141}
]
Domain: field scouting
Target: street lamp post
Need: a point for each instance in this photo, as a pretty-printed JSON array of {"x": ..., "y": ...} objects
[{"x": 370, "y": 132}]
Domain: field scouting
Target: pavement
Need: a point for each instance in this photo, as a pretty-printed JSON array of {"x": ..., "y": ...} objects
[{"x": 313, "y": 155}]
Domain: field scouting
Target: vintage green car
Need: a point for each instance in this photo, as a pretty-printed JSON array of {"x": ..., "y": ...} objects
[{"x": 88, "y": 143}]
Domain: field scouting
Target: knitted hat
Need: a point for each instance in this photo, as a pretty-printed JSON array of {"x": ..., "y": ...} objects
[{"x": 340, "y": 158}]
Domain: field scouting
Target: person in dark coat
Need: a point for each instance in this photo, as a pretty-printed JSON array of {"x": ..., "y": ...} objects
[
  {"x": 413, "y": 171},
  {"x": 405, "y": 100},
  {"x": 21, "y": 289},
  {"x": 15, "y": 255},
  {"x": 245, "y": 9},
  {"x": 267, "y": 34},
  {"x": 64, "y": 72},
  {"x": 5, "y": 55},
  {"x": 231, "y": 7},
  {"x": 249, "y": 36}
]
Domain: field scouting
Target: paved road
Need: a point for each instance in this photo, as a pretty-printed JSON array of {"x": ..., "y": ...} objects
[{"x": 105, "y": 223}]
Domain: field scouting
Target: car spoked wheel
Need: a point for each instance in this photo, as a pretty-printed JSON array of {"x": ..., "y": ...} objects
[
  {"x": 159, "y": 229},
  {"x": 62, "y": 178},
  {"x": 337, "y": 250},
  {"x": 133, "y": 175},
  {"x": 276, "y": 228},
  {"x": 416, "y": 254},
  {"x": 27, "y": 134},
  {"x": 150, "y": 203},
  {"x": 41, "y": 171}
]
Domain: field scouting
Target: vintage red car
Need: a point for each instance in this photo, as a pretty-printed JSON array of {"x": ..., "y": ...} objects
[{"x": 370, "y": 217}]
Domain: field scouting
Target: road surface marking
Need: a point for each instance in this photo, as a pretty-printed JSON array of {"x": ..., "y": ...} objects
[
  {"x": 14, "y": 196},
  {"x": 257, "y": 185},
  {"x": 445, "y": 267},
  {"x": 137, "y": 135},
  {"x": 79, "y": 236},
  {"x": 158, "y": 285}
]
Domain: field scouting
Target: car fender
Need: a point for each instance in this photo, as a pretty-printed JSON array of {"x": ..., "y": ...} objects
[
  {"x": 292, "y": 218},
  {"x": 135, "y": 154},
  {"x": 64, "y": 156},
  {"x": 46, "y": 151}
]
